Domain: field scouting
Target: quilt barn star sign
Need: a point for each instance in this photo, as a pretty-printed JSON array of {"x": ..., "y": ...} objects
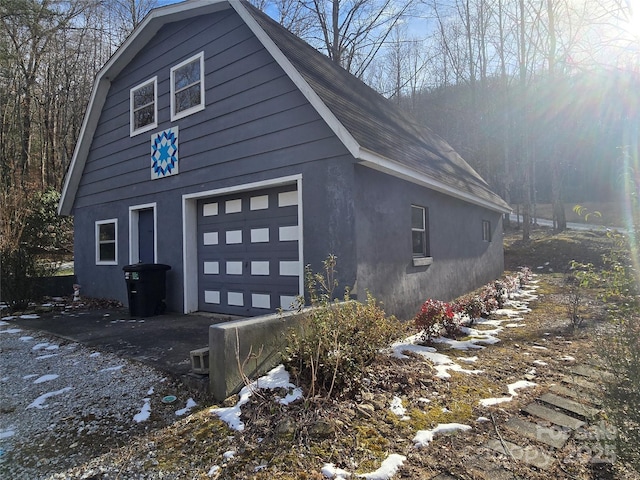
[{"x": 164, "y": 153}]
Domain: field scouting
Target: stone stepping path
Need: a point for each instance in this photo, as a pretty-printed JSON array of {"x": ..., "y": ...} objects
[
  {"x": 553, "y": 416},
  {"x": 549, "y": 436},
  {"x": 530, "y": 455},
  {"x": 552, "y": 419},
  {"x": 593, "y": 373},
  {"x": 575, "y": 394},
  {"x": 570, "y": 406}
]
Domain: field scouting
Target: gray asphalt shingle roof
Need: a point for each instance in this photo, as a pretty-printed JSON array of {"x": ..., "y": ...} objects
[{"x": 375, "y": 122}]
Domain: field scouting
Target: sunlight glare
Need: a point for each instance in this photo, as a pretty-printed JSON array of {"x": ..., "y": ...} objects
[{"x": 633, "y": 22}]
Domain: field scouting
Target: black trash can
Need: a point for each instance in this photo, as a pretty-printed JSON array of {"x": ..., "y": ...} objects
[{"x": 146, "y": 288}]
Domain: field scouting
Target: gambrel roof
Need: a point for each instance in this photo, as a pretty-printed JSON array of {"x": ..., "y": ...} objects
[{"x": 376, "y": 132}]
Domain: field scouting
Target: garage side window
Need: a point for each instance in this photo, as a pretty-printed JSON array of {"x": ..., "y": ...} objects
[
  {"x": 420, "y": 231},
  {"x": 107, "y": 242},
  {"x": 144, "y": 107},
  {"x": 187, "y": 87},
  {"x": 486, "y": 230}
]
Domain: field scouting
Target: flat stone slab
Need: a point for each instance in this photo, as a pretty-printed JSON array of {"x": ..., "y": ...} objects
[
  {"x": 575, "y": 394},
  {"x": 594, "y": 373},
  {"x": 553, "y": 416},
  {"x": 529, "y": 455},
  {"x": 581, "y": 382},
  {"x": 569, "y": 405},
  {"x": 548, "y": 436},
  {"x": 484, "y": 467}
]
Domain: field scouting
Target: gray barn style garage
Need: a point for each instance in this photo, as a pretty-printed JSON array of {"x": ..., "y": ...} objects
[{"x": 222, "y": 145}]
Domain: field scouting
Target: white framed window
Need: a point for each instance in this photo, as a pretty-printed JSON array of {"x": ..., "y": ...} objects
[
  {"x": 107, "y": 242},
  {"x": 420, "y": 236},
  {"x": 187, "y": 87},
  {"x": 143, "y": 108},
  {"x": 486, "y": 230}
]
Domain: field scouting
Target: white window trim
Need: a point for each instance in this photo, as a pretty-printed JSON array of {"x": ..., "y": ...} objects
[
  {"x": 424, "y": 259},
  {"x": 132, "y": 131},
  {"x": 97, "y": 241},
  {"x": 134, "y": 213},
  {"x": 488, "y": 237},
  {"x": 196, "y": 108}
]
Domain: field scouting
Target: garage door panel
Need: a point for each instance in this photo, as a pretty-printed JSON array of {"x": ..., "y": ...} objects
[{"x": 248, "y": 251}]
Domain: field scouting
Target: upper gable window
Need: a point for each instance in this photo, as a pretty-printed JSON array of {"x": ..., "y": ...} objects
[
  {"x": 144, "y": 106},
  {"x": 187, "y": 87}
]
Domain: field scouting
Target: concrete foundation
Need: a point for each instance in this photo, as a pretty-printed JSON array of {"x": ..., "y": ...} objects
[{"x": 246, "y": 348}]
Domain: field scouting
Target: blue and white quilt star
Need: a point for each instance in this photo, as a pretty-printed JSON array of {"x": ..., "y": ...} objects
[{"x": 164, "y": 153}]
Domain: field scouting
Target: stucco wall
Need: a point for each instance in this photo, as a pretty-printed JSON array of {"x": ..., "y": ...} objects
[{"x": 462, "y": 261}]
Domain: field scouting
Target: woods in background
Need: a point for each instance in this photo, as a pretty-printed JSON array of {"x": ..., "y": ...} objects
[{"x": 538, "y": 96}]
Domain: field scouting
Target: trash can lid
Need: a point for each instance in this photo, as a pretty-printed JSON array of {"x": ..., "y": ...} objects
[{"x": 145, "y": 267}]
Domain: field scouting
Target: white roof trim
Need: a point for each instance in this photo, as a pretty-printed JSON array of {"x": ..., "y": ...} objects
[
  {"x": 151, "y": 24},
  {"x": 385, "y": 165},
  {"x": 135, "y": 42}
]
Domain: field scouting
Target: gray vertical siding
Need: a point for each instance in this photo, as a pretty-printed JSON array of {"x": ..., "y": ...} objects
[{"x": 462, "y": 261}]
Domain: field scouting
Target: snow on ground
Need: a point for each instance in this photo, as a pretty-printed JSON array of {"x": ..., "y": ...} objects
[
  {"x": 190, "y": 404},
  {"x": 276, "y": 378},
  {"x": 425, "y": 437},
  {"x": 512, "y": 388}
]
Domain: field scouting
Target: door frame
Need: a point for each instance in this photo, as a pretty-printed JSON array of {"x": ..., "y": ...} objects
[
  {"x": 190, "y": 233},
  {"x": 134, "y": 234}
]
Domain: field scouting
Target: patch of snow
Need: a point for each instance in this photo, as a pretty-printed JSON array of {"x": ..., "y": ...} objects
[
  {"x": 145, "y": 411},
  {"x": 42, "y": 357},
  {"x": 39, "y": 402},
  {"x": 29, "y": 317},
  {"x": 112, "y": 369},
  {"x": 25, "y": 339},
  {"x": 512, "y": 388},
  {"x": 568, "y": 358},
  {"x": 425, "y": 437},
  {"x": 276, "y": 378},
  {"x": 46, "y": 378},
  {"x": 213, "y": 471},
  {"x": 331, "y": 471},
  {"x": 7, "y": 433},
  {"x": 398, "y": 409},
  {"x": 473, "y": 359},
  {"x": 11, "y": 330},
  {"x": 190, "y": 404},
  {"x": 388, "y": 469},
  {"x": 540, "y": 363}
]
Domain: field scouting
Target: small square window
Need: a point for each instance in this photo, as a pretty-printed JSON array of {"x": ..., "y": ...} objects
[
  {"x": 486, "y": 230},
  {"x": 419, "y": 231},
  {"x": 107, "y": 242},
  {"x": 144, "y": 107},
  {"x": 187, "y": 87}
]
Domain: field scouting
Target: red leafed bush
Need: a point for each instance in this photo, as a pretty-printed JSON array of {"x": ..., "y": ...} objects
[{"x": 435, "y": 315}]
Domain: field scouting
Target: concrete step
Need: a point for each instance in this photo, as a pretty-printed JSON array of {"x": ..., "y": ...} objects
[
  {"x": 570, "y": 406},
  {"x": 483, "y": 467},
  {"x": 581, "y": 382},
  {"x": 574, "y": 394},
  {"x": 549, "y": 436},
  {"x": 593, "y": 373},
  {"x": 530, "y": 455},
  {"x": 553, "y": 416}
]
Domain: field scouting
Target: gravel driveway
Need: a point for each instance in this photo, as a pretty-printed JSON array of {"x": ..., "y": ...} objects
[{"x": 62, "y": 404}]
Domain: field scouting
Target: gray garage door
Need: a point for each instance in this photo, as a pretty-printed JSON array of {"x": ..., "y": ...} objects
[{"x": 248, "y": 252}]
